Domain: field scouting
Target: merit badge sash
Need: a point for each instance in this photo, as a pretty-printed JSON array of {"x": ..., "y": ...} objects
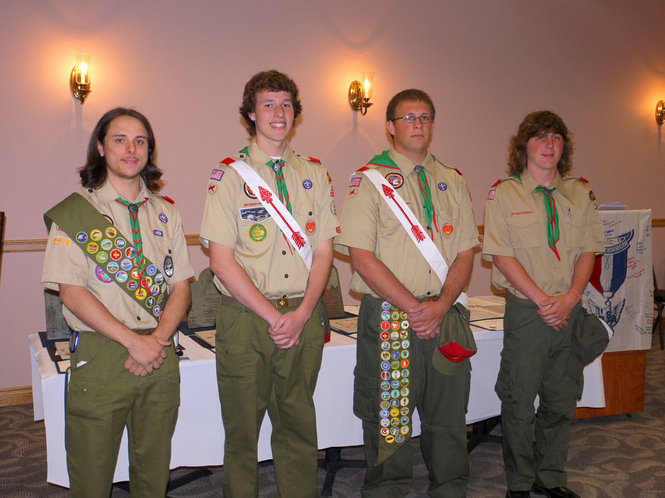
[
  {"x": 413, "y": 227},
  {"x": 395, "y": 408},
  {"x": 115, "y": 257},
  {"x": 278, "y": 211}
]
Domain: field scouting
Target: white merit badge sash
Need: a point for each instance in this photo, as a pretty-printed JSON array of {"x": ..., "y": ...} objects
[
  {"x": 413, "y": 227},
  {"x": 278, "y": 211}
]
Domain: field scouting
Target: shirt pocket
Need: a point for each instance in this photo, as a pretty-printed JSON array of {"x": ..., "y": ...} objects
[
  {"x": 524, "y": 230},
  {"x": 572, "y": 229}
]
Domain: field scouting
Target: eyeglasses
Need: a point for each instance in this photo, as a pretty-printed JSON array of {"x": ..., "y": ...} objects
[{"x": 410, "y": 119}]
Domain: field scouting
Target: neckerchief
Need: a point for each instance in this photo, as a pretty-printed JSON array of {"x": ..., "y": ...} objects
[
  {"x": 552, "y": 218},
  {"x": 282, "y": 192},
  {"x": 427, "y": 199},
  {"x": 136, "y": 231}
]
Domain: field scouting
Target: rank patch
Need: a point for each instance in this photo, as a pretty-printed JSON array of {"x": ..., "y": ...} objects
[{"x": 258, "y": 232}]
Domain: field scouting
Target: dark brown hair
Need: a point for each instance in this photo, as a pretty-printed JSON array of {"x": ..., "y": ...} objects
[
  {"x": 273, "y": 81},
  {"x": 531, "y": 126},
  {"x": 410, "y": 95},
  {"x": 93, "y": 173}
]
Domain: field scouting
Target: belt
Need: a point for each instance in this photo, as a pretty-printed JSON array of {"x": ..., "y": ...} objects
[{"x": 280, "y": 303}]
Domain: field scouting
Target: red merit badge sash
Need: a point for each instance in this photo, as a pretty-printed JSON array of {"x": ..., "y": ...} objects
[
  {"x": 395, "y": 404},
  {"x": 116, "y": 260}
]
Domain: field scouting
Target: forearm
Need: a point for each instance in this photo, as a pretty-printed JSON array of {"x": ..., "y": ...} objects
[
  {"x": 318, "y": 276},
  {"x": 519, "y": 278},
  {"x": 582, "y": 273},
  {"x": 381, "y": 280},
  {"x": 179, "y": 300},
  {"x": 93, "y": 313},
  {"x": 458, "y": 277},
  {"x": 237, "y": 282}
]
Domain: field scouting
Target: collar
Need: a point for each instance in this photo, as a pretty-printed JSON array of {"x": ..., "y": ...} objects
[
  {"x": 530, "y": 183},
  {"x": 260, "y": 158},
  {"x": 107, "y": 192},
  {"x": 407, "y": 166}
]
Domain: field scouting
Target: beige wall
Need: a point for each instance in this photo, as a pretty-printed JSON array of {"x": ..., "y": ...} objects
[{"x": 600, "y": 64}]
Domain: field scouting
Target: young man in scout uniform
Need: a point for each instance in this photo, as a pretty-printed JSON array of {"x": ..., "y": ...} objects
[
  {"x": 269, "y": 222},
  {"x": 542, "y": 231},
  {"x": 117, "y": 253},
  {"x": 405, "y": 302}
]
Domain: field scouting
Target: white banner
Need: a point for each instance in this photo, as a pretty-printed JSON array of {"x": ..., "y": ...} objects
[{"x": 621, "y": 287}]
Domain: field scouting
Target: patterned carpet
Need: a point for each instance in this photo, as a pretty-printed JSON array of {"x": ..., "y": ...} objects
[{"x": 616, "y": 457}]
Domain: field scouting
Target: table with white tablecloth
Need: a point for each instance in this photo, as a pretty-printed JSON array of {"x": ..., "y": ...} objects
[{"x": 199, "y": 436}]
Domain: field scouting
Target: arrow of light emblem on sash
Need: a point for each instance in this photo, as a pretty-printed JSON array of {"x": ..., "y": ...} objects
[
  {"x": 297, "y": 237},
  {"x": 415, "y": 229}
]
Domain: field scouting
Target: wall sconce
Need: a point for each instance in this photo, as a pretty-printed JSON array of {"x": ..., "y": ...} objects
[
  {"x": 660, "y": 112},
  {"x": 79, "y": 80},
  {"x": 360, "y": 92}
]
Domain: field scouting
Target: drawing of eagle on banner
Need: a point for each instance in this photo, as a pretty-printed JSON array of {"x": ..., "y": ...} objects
[{"x": 609, "y": 274}]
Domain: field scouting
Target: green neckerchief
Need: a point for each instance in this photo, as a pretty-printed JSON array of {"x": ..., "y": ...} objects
[
  {"x": 427, "y": 198},
  {"x": 136, "y": 231},
  {"x": 278, "y": 168},
  {"x": 552, "y": 218}
]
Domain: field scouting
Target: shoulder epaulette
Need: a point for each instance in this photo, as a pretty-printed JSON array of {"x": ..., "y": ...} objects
[
  {"x": 458, "y": 172},
  {"x": 227, "y": 161},
  {"x": 364, "y": 168},
  {"x": 308, "y": 158},
  {"x": 578, "y": 178},
  {"x": 496, "y": 183},
  {"x": 167, "y": 198}
]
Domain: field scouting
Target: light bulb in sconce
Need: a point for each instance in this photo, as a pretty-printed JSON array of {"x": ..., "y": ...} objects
[
  {"x": 79, "y": 81},
  {"x": 660, "y": 112},
  {"x": 360, "y": 92}
]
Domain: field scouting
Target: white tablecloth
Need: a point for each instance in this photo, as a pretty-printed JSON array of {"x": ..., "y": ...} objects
[{"x": 199, "y": 437}]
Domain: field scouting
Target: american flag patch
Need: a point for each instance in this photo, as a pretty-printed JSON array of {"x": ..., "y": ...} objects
[
  {"x": 217, "y": 174},
  {"x": 355, "y": 182},
  {"x": 490, "y": 195}
]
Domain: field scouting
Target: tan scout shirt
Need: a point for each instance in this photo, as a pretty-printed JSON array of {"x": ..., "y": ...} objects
[
  {"x": 516, "y": 225},
  {"x": 368, "y": 222},
  {"x": 235, "y": 218},
  {"x": 162, "y": 235}
]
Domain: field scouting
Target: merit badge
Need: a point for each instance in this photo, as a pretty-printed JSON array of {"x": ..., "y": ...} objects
[
  {"x": 448, "y": 230},
  {"x": 102, "y": 275},
  {"x": 82, "y": 237},
  {"x": 385, "y": 345},
  {"x": 146, "y": 282},
  {"x": 258, "y": 232},
  {"x": 405, "y": 343},
  {"x": 405, "y": 372},
  {"x": 310, "y": 226},
  {"x": 395, "y": 315},
  {"x": 157, "y": 311},
  {"x": 442, "y": 186},
  {"x": 395, "y": 355},
  {"x": 405, "y": 364},
  {"x": 112, "y": 267},
  {"x": 129, "y": 252},
  {"x": 395, "y": 179},
  {"x": 151, "y": 270},
  {"x": 150, "y": 302},
  {"x": 106, "y": 244},
  {"x": 248, "y": 192},
  {"x": 92, "y": 247},
  {"x": 154, "y": 289},
  {"x": 111, "y": 232},
  {"x": 96, "y": 235},
  {"x": 385, "y": 365},
  {"x": 385, "y": 377},
  {"x": 385, "y": 355},
  {"x": 217, "y": 174},
  {"x": 307, "y": 183},
  {"x": 385, "y": 336},
  {"x": 120, "y": 243},
  {"x": 158, "y": 233},
  {"x": 126, "y": 264},
  {"x": 159, "y": 278},
  {"x": 163, "y": 218},
  {"x": 141, "y": 294},
  {"x": 385, "y": 395},
  {"x": 135, "y": 273},
  {"x": 102, "y": 257},
  {"x": 385, "y": 325},
  {"x": 121, "y": 276},
  {"x": 168, "y": 266},
  {"x": 132, "y": 285},
  {"x": 385, "y": 315}
]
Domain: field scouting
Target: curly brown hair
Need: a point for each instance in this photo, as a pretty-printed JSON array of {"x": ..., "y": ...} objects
[
  {"x": 93, "y": 173},
  {"x": 531, "y": 126},
  {"x": 273, "y": 81},
  {"x": 410, "y": 95}
]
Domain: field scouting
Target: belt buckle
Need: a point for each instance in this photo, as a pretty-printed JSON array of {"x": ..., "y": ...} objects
[
  {"x": 432, "y": 299},
  {"x": 282, "y": 302}
]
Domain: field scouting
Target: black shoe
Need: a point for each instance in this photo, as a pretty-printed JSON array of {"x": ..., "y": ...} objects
[
  {"x": 517, "y": 494},
  {"x": 558, "y": 492}
]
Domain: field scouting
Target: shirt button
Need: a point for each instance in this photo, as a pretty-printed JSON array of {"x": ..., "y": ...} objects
[
  {"x": 138, "y": 318},
  {"x": 429, "y": 293},
  {"x": 84, "y": 389},
  {"x": 310, "y": 213},
  {"x": 286, "y": 275},
  {"x": 283, "y": 253}
]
